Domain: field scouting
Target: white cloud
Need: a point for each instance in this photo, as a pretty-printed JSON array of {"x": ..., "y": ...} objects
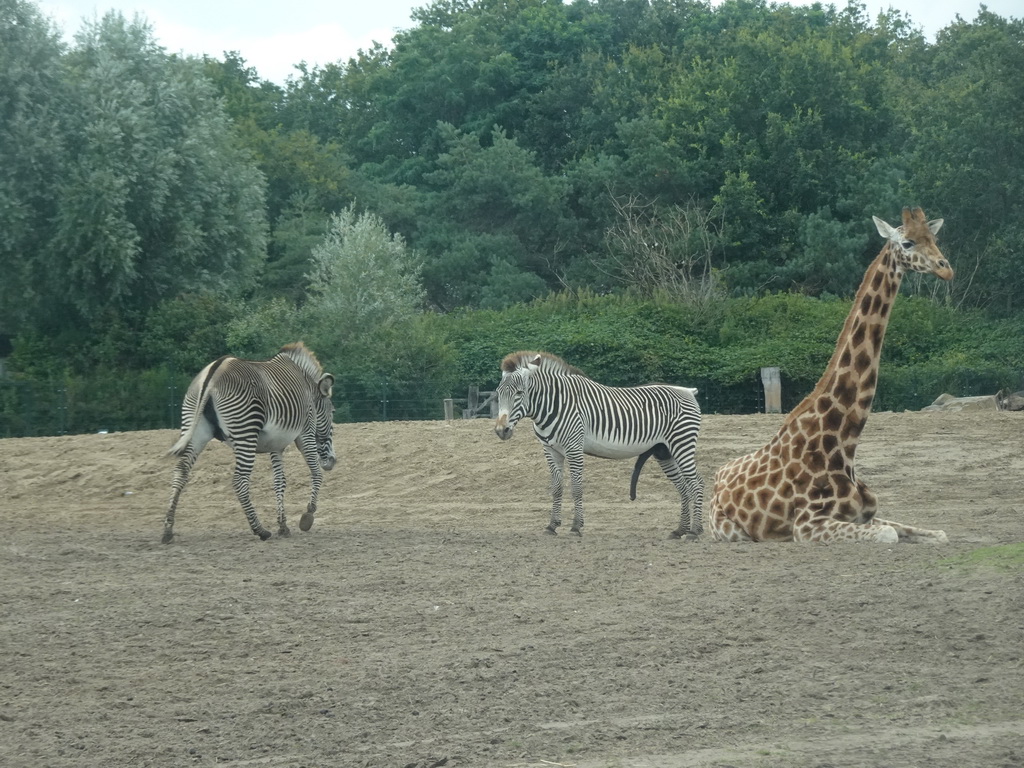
[
  {"x": 273, "y": 36},
  {"x": 270, "y": 35},
  {"x": 274, "y": 55}
]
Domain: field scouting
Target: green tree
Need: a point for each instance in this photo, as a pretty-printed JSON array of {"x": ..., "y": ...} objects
[
  {"x": 491, "y": 210},
  {"x": 362, "y": 277},
  {"x": 964, "y": 109},
  {"x": 297, "y": 231},
  {"x": 150, "y": 198},
  {"x": 33, "y": 155},
  {"x": 188, "y": 331},
  {"x": 145, "y": 213},
  {"x": 307, "y": 173}
]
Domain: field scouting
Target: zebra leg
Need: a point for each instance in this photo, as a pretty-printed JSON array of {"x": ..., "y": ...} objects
[
  {"x": 695, "y": 486},
  {"x": 277, "y": 462},
  {"x": 245, "y": 455},
  {"x": 555, "y": 464},
  {"x": 690, "y": 485},
  {"x": 576, "y": 479},
  {"x": 307, "y": 445},
  {"x": 181, "y": 473}
]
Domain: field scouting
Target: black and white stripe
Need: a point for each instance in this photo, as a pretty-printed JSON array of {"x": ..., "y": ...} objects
[
  {"x": 575, "y": 416},
  {"x": 258, "y": 407}
]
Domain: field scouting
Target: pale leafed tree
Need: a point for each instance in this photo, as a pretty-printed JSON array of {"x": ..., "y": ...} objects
[{"x": 363, "y": 277}]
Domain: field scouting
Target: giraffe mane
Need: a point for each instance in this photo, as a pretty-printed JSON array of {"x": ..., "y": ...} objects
[
  {"x": 519, "y": 360},
  {"x": 303, "y": 357}
]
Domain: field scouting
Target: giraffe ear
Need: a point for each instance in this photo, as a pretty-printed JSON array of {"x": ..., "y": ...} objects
[
  {"x": 935, "y": 225},
  {"x": 884, "y": 229}
]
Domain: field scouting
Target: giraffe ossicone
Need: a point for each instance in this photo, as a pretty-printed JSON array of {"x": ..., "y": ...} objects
[{"x": 802, "y": 485}]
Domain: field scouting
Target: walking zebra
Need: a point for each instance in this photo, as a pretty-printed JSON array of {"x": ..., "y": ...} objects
[
  {"x": 258, "y": 407},
  {"x": 574, "y": 415}
]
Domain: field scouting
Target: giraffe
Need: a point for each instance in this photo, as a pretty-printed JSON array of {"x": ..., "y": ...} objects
[{"x": 802, "y": 486}]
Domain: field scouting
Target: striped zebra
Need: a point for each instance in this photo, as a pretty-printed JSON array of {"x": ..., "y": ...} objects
[
  {"x": 574, "y": 415},
  {"x": 258, "y": 407}
]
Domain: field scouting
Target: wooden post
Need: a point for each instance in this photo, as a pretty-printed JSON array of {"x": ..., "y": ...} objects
[
  {"x": 772, "y": 382},
  {"x": 449, "y": 409}
]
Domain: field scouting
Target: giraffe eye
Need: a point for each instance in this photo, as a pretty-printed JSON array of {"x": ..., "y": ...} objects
[{"x": 907, "y": 244}]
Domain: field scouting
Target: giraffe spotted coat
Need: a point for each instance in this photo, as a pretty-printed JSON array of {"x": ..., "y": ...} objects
[{"x": 803, "y": 485}]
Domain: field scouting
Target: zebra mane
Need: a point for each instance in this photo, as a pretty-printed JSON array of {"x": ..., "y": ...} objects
[
  {"x": 304, "y": 358},
  {"x": 548, "y": 362}
]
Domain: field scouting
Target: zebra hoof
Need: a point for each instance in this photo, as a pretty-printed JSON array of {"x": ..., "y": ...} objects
[
  {"x": 577, "y": 531},
  {"x": 551, "y": 530},
  {"x": 684, "y": 535},
  {"x": 306, "y": 521},
  {"x": 264, "y": 534},
  {"x": 284, "y": 531},
  {"x": 168, "y": 537}
]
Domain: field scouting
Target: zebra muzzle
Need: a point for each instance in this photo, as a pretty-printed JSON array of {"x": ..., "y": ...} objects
[{"x": 502, "y": 429}]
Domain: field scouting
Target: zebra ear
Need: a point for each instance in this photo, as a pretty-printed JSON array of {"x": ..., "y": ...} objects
[
  {"x": 326, "y": 385},
  {"x": 536, "y": 361}
]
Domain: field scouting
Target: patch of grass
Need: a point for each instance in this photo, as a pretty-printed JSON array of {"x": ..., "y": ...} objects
[{"x": 1006, "y": 557}]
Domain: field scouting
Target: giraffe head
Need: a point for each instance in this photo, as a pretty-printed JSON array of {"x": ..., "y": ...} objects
[{"x": 913, "y": 243}]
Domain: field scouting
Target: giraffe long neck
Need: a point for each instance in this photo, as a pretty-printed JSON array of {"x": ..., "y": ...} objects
[{"x": 844, "y": 394}]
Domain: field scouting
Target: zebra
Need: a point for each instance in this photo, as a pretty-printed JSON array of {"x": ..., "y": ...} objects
[
  {"x": 258, "y": 407},
  {"x": 574, "y": 415}
]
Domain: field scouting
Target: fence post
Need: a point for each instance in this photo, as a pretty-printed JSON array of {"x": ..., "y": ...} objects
[
  {"x": 449, "y": 409},
  {"x": 772, "y": 381},
  {"x": 384, "y": 401},
  {"x": 62, "y": 410},
  {"x": 171, "y": 409}
]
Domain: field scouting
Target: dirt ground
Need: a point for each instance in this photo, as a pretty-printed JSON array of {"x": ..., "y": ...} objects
[{"x": 426, "y": 619}]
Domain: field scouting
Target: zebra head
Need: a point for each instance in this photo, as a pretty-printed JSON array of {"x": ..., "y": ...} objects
[
  {"x": 323, "y": 408},
  {"x": 513, "y": 402}
]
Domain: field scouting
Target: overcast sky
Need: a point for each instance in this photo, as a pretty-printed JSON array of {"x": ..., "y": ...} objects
[{"x": 273, "y": 36}]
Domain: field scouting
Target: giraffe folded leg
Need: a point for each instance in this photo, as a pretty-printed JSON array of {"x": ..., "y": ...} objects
[
  {"x": 913, "y": 535},
  {"x": 724, "y": 529},
  {"x": 827, "y": 530}
]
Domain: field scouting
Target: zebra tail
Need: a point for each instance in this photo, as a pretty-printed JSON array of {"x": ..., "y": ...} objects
[
  {"x": 197, "y": 412},
  {"x": 186, "y": 434},
  {"x": 179, "y": 447}
]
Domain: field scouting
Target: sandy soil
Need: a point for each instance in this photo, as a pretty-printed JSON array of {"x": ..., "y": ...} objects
[{"x": 426, "y": 620}]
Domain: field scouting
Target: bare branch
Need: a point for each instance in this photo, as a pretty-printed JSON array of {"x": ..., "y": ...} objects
[{"x": 666, "y": 251}]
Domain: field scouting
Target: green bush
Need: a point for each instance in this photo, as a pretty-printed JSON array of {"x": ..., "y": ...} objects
[{"x": 403, "y": 370}]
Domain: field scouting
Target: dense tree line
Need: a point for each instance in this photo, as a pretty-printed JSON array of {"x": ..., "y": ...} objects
[{"x": 159, "y": 210}]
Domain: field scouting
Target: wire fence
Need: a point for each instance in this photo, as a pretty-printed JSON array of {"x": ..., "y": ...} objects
[{"x": 152, "y": 399}]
